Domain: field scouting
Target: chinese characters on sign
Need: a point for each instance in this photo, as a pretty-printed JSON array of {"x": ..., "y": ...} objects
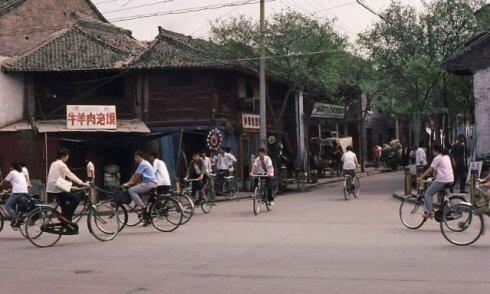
[
  {"x": 251, "y": 121},
  {"x": 88, "y": 117},
  {"x": 328, "y": 111}
]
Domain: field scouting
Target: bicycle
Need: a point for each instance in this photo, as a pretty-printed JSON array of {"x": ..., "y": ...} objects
[
  {"x": 22, "y": 213},
  {"x": 260, "y": 195},
  {"x": 463, "y": 223},
  {"x": 163, "y": 212},
  {"x": 208, "y": 197},
  {"x": 229, "y": 186},
  {"x": 45, "y": 225},
  {"x": 412, "y": 207},
  {"x": 351, "y": 185}
]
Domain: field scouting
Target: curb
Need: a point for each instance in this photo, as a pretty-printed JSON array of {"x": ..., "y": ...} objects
[{"x": 398, "y": 195}]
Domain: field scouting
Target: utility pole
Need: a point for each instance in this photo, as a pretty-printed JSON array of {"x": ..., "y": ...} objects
[{"x": 263, "y": 109}]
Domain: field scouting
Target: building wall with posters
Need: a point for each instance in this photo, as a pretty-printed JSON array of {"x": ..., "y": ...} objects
[{"x": 11, "y": 97}]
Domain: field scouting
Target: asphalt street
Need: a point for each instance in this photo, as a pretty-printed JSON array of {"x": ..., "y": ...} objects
[{"x": 312, "y": 242}]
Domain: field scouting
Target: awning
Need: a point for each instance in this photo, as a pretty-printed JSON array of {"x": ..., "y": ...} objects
[
  {"x": 59, "y": 126},
  {"x": 16, "y": 127}
]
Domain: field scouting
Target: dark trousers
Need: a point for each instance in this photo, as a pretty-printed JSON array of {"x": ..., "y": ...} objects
[
  {"x": 460, "y": 173},
  {"x": 163, "y": 190},
  {"x": 376, "y": 162},
  {"x": 222, "y": 173},
  {"x": 196, "y": 188},
  {"x": 268, "y": 188},
  {"x": 68, "y": 203}
]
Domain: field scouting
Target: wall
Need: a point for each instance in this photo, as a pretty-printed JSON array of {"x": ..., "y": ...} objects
[
  {"x": 11, "y": 97},
  {"x": 28, "y": 23},
  {"x": 481, "y": 84}
]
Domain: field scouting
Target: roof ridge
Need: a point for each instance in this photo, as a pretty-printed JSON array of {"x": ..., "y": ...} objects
[{"x": 102, "y": 42}]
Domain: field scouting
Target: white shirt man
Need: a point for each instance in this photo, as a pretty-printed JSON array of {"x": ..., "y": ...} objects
[
  {"x": 25, "y": 171},
  {"x": 420, "y": 157},
  {"x": 208, "y": 164},
  {"x": 233, "y": 160},
  {"x": 225, "y": 161},
  {"x": 350, "y": 160},
  {"x": 161, "y": 173},
  {"x": 90, "y": 171},
  {"x": 263, "y": 167}
]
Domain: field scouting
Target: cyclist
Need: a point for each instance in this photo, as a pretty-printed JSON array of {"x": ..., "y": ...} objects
[
  {"x": 223, "y": 164},
  {"x": 17, "y": 179},
  {"x": 66, "y": 200},
  {"x": 142, "y": 181},
  {"x": 196, "y": 171},
  {"x": 161, "y": 173},
  {"x": 263, "y": 166},
  {"x": 442, "y": 165},
  {"x": 350, "y": 162}
]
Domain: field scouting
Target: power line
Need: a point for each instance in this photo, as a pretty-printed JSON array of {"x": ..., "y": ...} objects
[
  {"x": 186, "y": 10},
  {"x": 220, "y": 17},
  {"x": 104, "y": 2},
  {"x": 338, "y": 6},
  {"x": 138, "y": 6}
]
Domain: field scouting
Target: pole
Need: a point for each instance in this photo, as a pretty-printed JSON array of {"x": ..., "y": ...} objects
[{"x": 263, "y": 110}]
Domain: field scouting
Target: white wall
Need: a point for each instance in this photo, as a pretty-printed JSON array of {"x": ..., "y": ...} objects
[
  {"x": 11, "y": 97},
  {"x": 481, "y": 84}
]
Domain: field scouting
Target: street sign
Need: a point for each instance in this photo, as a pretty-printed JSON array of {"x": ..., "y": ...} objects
[
  {"x": 251, "y": 121},
  {"x": 325, "y": 110},
  {"x": 91, "y": 117}
]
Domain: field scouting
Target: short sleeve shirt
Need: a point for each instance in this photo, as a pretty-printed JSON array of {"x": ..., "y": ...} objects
[
  {"x": 442, "y": 164},
  {"x": 146, "y": 171},
  {"x": 349, "y": 158},
  {"x": 17, "y": 181}
]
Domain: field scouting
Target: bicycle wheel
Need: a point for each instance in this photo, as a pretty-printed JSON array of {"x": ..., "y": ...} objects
[
  {"x": 357, "y": 188},
  {"x": 412, "y": 212},
  {"x": 122, "y": 214},
  {"x": 2, "y": 220},
  {"x": 188, "y": 207},
  {"x": 35, "y": 224},
  {"x": 103, "y": 221},
  {"x": 233, "y": 189},
  {"x": 301, "y": 181},
  {"x": 207, "y": 204},
  {"x": 257, "y": 201},
  {"x": 166, "y": 214},
  {"x": 133, "y": 215},
  {"x": 461, "y": 226}
]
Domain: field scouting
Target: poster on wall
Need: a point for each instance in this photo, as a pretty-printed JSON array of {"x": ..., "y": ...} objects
[{"x": 91, "y": 117}]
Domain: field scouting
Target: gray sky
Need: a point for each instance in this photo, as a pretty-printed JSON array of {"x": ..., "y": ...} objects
[{"x": 351, "y": 18}]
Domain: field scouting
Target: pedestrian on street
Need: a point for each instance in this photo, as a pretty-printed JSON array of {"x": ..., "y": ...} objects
[
  {"x": 223, "y": 163},
  {"x": 161, "y": 173},
  {"x": 458, "y": 155},
  {"x": 232, "y": 157},
  {"x": 420, "y": 156},
  {"x": 90, "y": 168},
  {"x": 25, "y": 171},
  {"x": 377, "y": 156}
]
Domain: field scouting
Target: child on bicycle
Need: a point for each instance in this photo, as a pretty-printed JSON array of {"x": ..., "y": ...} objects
[
  {"x": 17, "y": 180},
  {"x": 442, "y": 165}
]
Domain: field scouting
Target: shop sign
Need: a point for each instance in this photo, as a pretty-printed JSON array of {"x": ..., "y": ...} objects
[
  {"x": 324, "y": 110},
  {"x": 91, "y": 117},
  {"x": 251, "y": 121}
]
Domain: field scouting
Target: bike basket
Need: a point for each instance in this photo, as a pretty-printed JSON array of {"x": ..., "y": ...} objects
[
  {"x": 25, "y": 203},
  {"x": 122, "y": 197}
]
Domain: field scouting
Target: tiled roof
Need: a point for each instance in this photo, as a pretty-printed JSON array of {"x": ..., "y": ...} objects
[
  {"x": 7, "y": 5},
  {"x": 475, "y": 56},
  {"x": 173, "y": 50},
  {"x": 86, "y": 45}
]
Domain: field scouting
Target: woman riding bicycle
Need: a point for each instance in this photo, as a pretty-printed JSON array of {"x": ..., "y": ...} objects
[
  {"x": 18, "y": 181},
  {"x": 59, "y": 171},
  {"x": 442, "y": 165}
]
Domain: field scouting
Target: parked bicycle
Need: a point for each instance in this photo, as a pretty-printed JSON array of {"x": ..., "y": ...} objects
[
  {"x": 351, "y": 185},
  {"x": 412, "y": 207},
  {"x": 45, "y": 225},
  {"x": 463, "y": 223},
  {"x": 260, "y": 195}
]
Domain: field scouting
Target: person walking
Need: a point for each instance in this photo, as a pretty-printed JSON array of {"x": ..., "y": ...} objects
[
  {"x": 25, "y": 171},
  {"x": 420, "y": 156},
  {"x": 161, "y": 173},
  {"x": 458, "y": 156},
  {"x": 90, "y": 168},
  {"x": 377, "y": 156}
]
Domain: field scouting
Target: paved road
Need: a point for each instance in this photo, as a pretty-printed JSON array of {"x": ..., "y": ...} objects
[{"x": 310, "y": 243}]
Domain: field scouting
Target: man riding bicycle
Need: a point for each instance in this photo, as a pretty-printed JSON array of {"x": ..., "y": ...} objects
[
  {"x": 263, "y": 166},
  {"x": 442, "y": 165},
  {"x": 196, "y": 171},
  {"x": 18, "y": 182},
  {"x": 142, "y": 181},
  {"x": 350, "y": 162}
]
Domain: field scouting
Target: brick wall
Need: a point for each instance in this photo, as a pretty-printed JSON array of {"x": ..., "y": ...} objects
[
  {"x": 481, "y": 84},
  {"x": 41, "y": 15}
]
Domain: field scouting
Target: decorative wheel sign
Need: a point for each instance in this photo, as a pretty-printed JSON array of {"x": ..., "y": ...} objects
[{"x": 214, "y": 139}]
